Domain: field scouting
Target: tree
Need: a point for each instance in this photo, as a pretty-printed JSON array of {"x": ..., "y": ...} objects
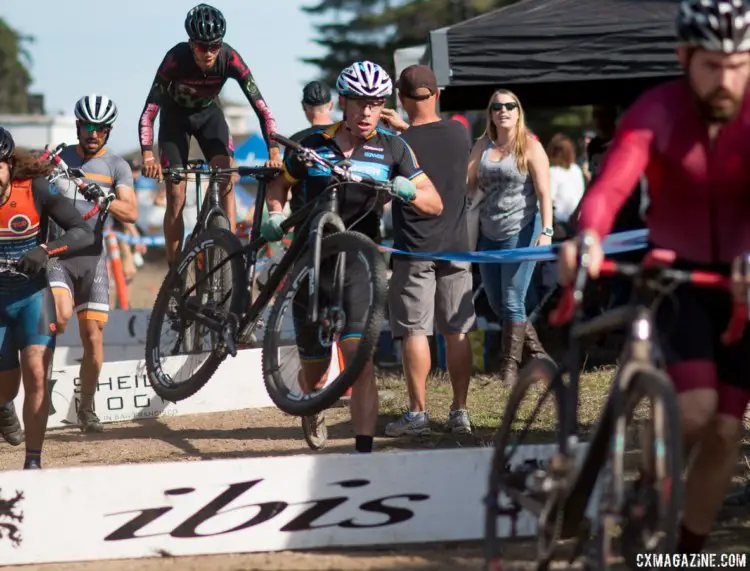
[
  {"x": 14, "y": 74},
  {"x": 374, "y": 29}
]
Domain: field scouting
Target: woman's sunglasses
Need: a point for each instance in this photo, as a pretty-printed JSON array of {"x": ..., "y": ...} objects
[{"x": 497, "y": 106}]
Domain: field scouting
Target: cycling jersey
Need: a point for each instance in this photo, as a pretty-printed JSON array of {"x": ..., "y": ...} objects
[
  {"x": 181, "y": 81},
  {"x": 105, "y": 169},
  {"x": 85, "y": 277},
  {"x": 382, "y": 157},
  {"x": 699, "y": 208},
  {"x": 698, "y": 189},
  {"x": 27, "y": 311},
  {"x": 24, "y": 223}
]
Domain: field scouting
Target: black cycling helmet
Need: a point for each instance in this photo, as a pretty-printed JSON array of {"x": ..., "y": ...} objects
[
  {"x": 7, "y": 145},
  {"x": 316, "y": 93},
  {"x": 205, "y": 23},
  {"x": 715, "y": 25}
]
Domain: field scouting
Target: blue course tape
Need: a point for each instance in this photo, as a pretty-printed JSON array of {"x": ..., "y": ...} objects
[{"x": 613, "y": 244}]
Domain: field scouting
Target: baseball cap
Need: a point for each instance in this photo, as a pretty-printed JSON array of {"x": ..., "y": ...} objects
[
  {"x": 316, "y": 93},
  {"x": 417, "y": 82}
]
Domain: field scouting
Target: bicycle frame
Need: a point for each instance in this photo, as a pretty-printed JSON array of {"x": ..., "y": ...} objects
[{"x": 638, "y": 356}]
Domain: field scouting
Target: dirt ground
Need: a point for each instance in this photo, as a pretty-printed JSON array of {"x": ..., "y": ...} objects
[{"x": 250, "y": 433}]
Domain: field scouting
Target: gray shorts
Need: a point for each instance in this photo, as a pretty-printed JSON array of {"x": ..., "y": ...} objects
[{"x": 423, "y": 290}]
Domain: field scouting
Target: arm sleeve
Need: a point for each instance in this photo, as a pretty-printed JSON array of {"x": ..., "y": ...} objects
[
  {"x": 151, "y": 108},
  {"x": 622, "y": 165},
  {"x": 238, "y": 70},
  {"x": 77, "y": 234},
  {"x": 405, "y": 160}
]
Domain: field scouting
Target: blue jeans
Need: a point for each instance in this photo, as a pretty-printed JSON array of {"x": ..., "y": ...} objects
[{"x": 506, "y": 284}]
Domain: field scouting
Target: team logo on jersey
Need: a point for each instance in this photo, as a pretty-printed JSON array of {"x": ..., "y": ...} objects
[{"x": 19, "y": 223}]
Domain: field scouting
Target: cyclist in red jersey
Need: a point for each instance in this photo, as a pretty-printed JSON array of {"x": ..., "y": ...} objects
[
  {"x": 185, "y": 89},
  {"x": 691, "y": 138}
]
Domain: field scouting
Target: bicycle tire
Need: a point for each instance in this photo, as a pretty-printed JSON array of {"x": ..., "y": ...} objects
[
  {"x": 225, "y": 240},
  {"x": 536, "y": 371},
  {"x": 653, "y": 386},
  {"x": 352, "y": 243}
]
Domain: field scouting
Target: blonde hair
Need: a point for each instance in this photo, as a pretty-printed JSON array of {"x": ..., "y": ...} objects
[{"x": 520, "y": 135}]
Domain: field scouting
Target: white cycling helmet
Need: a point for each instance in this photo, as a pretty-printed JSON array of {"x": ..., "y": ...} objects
[
  {"x": 364, "y": 79},
  {"x": 98, "y": 109},
  {"x": 715, "y": 25}
]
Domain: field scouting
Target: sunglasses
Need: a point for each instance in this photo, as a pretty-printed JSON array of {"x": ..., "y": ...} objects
[
  {"x": 497, "y": 106},
  {"x": 367, "y": 102},
  {"x": 94, "y": 127},
  {"x": 203, "y": 47}
]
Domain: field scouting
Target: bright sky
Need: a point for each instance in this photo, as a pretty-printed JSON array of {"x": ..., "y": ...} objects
[{"x": 115, "y": 47}]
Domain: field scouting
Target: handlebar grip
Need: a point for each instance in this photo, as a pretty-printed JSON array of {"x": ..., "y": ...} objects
[
  {"x": 736, "y": 328},
  {"x": 565, "y": 309},
  {"x": 286, "y": 142}
]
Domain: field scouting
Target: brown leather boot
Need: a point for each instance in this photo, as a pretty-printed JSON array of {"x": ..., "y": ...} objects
[
  {"x": 512, "y": 349},
  {"x": 533, "y": 348}
]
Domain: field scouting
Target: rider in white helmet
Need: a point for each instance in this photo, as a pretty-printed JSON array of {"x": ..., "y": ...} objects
[
  {"x": 82, "y": 282},
  {"x": 363, "y": 89}
]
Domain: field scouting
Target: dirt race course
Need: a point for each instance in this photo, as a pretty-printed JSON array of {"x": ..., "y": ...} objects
[{"x": 254, "y": 433}]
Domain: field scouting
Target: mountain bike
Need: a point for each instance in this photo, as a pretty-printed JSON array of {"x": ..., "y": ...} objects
[
  {"x": 323, "y": 257},
  {"x": 643, "y": 517}
]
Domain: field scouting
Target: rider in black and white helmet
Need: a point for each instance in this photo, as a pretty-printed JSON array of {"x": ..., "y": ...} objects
[{"x": 96, "y": 114}]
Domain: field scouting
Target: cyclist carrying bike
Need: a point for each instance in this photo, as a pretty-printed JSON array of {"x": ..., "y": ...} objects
[
  {"x": 27, "y": 310},
  {"x": 691, "y": 139},
  {"x": 185, "y": 89},
  {"x": 363, "y": 88},
  {"x": 81, "y": 282}
]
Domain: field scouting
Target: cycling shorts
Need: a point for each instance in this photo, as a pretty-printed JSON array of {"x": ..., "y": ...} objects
[
  {"x": 27, "y": 317},
  {"x": 207, "y": 125},
  {"x": 86, "y": 280},
  {"x": 356, "y": 303},
  {"x": 689, "y": 325}
]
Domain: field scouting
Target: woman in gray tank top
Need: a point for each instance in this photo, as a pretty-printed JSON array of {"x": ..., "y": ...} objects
[{"x": 511, "y": 168}]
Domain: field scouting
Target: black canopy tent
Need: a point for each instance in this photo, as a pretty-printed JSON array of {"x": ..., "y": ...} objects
[{"x": 557, "y": 52}]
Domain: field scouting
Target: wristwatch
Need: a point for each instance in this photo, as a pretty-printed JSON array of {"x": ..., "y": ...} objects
[{"x": 548, "y": 231}]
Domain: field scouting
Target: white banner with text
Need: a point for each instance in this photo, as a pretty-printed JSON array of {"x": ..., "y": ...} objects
[{"x": 248, "y": 505}]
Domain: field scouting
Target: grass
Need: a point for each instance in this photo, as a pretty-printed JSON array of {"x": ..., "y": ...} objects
[{"x": 487, "y": 401}]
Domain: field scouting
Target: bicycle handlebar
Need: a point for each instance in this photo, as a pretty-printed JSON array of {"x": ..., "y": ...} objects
[
  {"x": 177, "y": 174},
  {"x": 11, "y": 267},
  {"x": 656, "y": 266},
  {"x": 338, "y": 169},
  {"x": 75, "y": 175}
]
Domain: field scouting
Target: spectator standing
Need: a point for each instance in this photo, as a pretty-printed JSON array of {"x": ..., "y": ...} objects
[
  {"x": 512, "y": 169},
  {"x": 422, "y": 290},
  {"x": 566, "y": 178}
]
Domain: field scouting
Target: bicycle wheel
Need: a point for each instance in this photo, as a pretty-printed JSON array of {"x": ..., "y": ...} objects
[
  {"x": 522, "y": 424},
  {"x": 175, "y": 369},
  {"x": 644, "y": 509},
  {"x": 317, "y": 343}
]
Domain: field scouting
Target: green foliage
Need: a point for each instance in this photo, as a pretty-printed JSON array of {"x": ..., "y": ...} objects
[{"x": 14, "y": 74}]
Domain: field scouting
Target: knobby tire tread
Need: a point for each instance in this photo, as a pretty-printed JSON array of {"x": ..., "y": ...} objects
[
  {"x": 230, "y": 244},
  {"x": 351, "y": 243}
]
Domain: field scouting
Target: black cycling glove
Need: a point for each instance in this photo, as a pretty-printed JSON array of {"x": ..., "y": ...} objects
[{"x": 34, "y": 261}]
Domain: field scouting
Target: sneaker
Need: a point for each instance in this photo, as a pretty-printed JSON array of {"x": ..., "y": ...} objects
[
  {"x": 458, "y": 422},
  {"x": 10, "y": 427},
  {"x": 32, "y": 465},
  {"x": 411, "y": 423},
  {"x": 315, "y": 431},
  {"x": 89, "y": 422}
]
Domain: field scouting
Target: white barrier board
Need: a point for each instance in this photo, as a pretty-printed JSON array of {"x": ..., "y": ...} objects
[
  {"x": 249, "y": 505},
  {"x": 123, "y": 328},
  {"x": 124, "y": 392}
]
